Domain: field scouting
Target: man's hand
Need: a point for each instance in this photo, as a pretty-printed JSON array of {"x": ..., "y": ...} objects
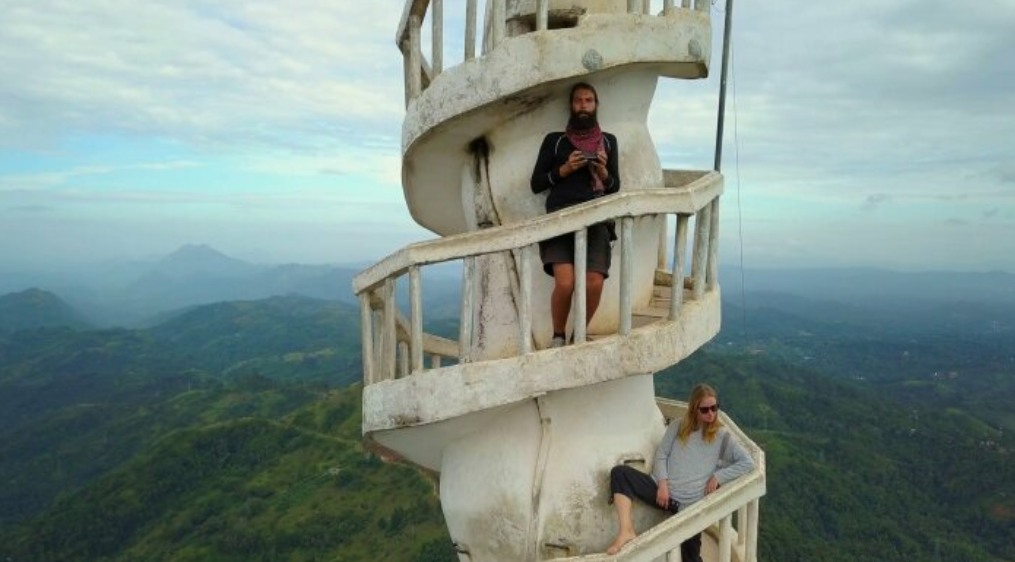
[
  {"x": 712, "y": 485},
  {"x": 599, "y": 166},
  {"x": 574, "y": 162},
  {"x": 663, "y": 494}
]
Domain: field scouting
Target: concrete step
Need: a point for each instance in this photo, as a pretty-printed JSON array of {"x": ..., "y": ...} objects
[{"x": 663, "y": 292}]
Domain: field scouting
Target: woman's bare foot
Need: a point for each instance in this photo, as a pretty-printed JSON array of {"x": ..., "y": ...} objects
[{"x": 619, "y": 542}]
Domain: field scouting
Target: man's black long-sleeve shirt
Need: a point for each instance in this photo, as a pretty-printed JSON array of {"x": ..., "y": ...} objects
[{"x": 577, "y": 187}]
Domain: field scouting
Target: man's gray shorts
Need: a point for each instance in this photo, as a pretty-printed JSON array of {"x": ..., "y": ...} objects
[{"x": 561, "y": 250}]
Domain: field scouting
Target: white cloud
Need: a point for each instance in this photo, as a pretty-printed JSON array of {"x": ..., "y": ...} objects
[
  {"x": 841, "y": 107},
  {"x": 382, "y": 167},
  {"x": 26, "y": 182},
  {"x": 225, "y": 73}
]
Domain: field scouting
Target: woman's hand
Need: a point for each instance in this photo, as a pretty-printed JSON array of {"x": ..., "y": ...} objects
[
  {"x": 574, "y": 161},
  {"x": 712, "y": 485},
  {"x": 663, "y": 494}
]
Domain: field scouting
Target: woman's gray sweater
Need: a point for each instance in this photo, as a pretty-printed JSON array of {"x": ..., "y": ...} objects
[{"x": 688, "y": 466}]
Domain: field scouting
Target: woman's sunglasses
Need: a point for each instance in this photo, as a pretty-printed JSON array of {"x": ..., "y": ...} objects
[{"x": 707, "y": 409}]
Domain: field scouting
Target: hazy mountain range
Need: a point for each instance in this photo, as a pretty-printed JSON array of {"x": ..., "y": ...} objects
[{"x": 139, "y": 293}]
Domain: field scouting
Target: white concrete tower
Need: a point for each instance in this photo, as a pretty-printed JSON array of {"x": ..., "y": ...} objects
[{"x": 522, "y": 438}]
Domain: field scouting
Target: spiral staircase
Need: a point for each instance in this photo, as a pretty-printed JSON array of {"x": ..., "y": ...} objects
[{"x": 520, "y": 437}]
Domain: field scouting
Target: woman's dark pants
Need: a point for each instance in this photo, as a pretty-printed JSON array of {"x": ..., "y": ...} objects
[{"x": 634, "y": 483}]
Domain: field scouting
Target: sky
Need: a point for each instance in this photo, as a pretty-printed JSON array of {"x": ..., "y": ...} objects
[{"x": 861, "y": 133}]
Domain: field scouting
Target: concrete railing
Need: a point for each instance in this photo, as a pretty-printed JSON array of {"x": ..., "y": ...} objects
[
  {"x": 395, "y": 347},
  {"x": 419, "y": 71}
]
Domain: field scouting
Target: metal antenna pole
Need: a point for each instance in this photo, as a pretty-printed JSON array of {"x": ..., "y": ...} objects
[{"x": 722, "y": 84}]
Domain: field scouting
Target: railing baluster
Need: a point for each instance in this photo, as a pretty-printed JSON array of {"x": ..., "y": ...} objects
[
  {"x": 661, "y": 248},
  {"x": 415, "y": 320},
  {"x": 667, "y": 6},
  {"x": 465, "y": 324},
  {"x": 646, "y": 7},
  {"x": 435, "y": 361},
  {"x": 633, "y": 6},
  {"x": 542, "y": 14},
  {"x": 388, "y": 357},
  {"x": 674, "y": 555},
  {"x": 679, "y": 256},
  {"x": 367, "y": 335},
  {"x": 437, "y": 43},
  {"x": 712, "y": 273},
  {"x": 378, "y": 336},
  {"x": 499, "y": 22},
  {"x": 525, "y": 307},
  {"x": 726, "y": 538},
  {"x": 415, "y": 63},
  {"x": 751, "y": 548},
  {"x": 702, "y": 5},
  {"x": 470, "y": 29},
  {"x": 626, "y": 272},
  {"x": 686, "y": 4},
  {"x": 699, "y": 265},
  {"x": 741, "y": 526},
  {"x": 699, "y": 225},
  {"x": 403, "y": 359},
  {"x": 580, "y": 263}
]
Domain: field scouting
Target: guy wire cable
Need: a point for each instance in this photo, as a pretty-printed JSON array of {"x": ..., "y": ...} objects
[
  {"x": 740, "y": 210},
  {"x": 736, "y": 142}
]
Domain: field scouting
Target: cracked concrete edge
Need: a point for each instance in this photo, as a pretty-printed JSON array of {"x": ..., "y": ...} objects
[
  {"x": 687, "y": 200},
  {"x": 450, "y": 392}
]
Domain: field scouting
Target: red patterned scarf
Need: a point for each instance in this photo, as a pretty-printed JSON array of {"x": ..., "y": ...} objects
[{"x": 588, "y": 140}]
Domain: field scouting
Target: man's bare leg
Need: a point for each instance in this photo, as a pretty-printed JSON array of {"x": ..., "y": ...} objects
[
  {"x": 625, "y": 533},
  {"x": 593, "y": 293},
  {"x": 560, "y": 300}
]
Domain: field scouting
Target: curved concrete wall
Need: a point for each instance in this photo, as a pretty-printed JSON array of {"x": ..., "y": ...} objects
[
  {"x": 624, "y": 103},
  {"x": 474, "y": 99},
  {"x": 511, "y": 491},
  {"x": 523, "y": 472}
]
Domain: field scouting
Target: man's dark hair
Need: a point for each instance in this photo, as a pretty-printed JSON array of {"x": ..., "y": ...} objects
[{"x": 584, "y": 86}]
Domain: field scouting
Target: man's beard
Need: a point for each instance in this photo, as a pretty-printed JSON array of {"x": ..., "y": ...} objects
[{"x": 582, "y": 121}]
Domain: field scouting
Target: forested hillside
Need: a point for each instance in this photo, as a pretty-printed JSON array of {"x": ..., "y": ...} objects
[
  {"x": 853, "y": 476},
  {"x": 296, "y": 487},
  {"x": 35, "y": 308},
  {"x": 74, "y": 404},
  {"x": 230, "y": 432}
]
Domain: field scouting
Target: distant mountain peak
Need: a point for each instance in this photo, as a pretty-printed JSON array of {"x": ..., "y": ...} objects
[
  {"x": 202, "y": 259},
  {"x": 36, "y": 308},
  {"x": 196, "y": 251}
]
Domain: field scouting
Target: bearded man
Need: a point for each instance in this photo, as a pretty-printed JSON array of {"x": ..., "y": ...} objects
[{"x": 577, "y": 165}]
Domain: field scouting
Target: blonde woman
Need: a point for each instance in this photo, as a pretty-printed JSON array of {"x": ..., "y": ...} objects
[{"x": 696, "y": 457}]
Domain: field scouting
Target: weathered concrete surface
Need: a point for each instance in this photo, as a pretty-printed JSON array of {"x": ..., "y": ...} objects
[
  {"x": 525, "y": 74},
  {"x": 654, "y": 543},
  {"x": 511, "y": 490},
  {"x": 686, "y": 199},
  {"x": 594, "y": 428},
  {"x": 523, "y": 445},
  {"x": 623, "y": 111},
  {"x": 452, "y": 392},
  {"x": 486, "y": 485}
]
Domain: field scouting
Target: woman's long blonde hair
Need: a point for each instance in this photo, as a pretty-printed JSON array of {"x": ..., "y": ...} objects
[{"x": 690, "y": 422}]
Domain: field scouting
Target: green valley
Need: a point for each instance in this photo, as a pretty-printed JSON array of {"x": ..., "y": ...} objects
[{"x": 232, "y": 432}]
